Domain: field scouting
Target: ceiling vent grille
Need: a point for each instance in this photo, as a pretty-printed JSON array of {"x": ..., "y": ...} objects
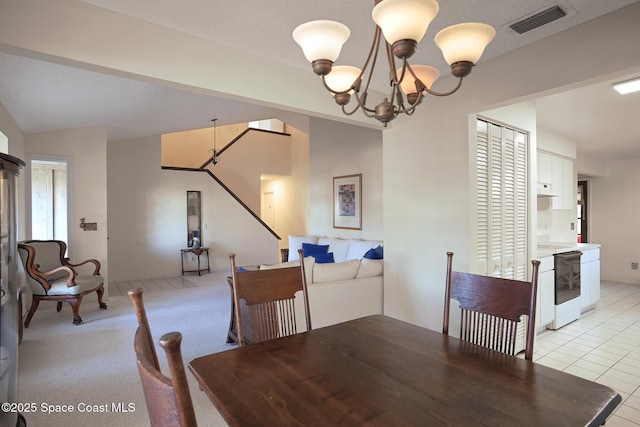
[{"x": 537, "y": 20}]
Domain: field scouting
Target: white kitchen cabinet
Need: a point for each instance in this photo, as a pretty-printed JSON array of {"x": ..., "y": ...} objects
[
  {"x": 545, "y": 168},
  {"x": 546, "y": 292},
  {"x": 595, "y": 277},
  {"x": 585, "y": 280},
  {"x": 563, "y": 180},
  {"x": 589, "y": 278}
]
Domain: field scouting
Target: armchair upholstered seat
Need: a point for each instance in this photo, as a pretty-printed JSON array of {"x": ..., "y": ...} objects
[{"x": 52, "y": 277}]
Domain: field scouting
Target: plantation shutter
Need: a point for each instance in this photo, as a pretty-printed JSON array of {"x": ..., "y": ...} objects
[{"x": 501, "y": 209}]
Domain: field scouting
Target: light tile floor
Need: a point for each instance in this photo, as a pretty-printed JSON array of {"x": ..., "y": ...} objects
[{"x": 602, "y": 346}]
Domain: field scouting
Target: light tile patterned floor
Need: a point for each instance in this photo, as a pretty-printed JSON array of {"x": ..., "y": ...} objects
[{"x": 602, "y": 346}]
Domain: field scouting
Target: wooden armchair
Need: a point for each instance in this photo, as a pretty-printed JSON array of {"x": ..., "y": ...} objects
[
  {"x": 491, "y": 308},
  {"x": 263, "y": 301},
  {"x": 168, "y": 399},
  {"x": 53, "y": 277}
]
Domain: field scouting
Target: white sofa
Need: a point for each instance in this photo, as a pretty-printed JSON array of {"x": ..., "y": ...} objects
[
  {"x": 342, "y": 249},
  {"x": 347, "y": 289}
]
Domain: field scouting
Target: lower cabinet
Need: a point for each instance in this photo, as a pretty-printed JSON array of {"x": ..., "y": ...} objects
[
  {"x": 546, "y": 290},
  {"x": 589, "y": 278}
]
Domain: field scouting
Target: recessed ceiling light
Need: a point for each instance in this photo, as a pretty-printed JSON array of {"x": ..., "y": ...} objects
[{"x": 629, "y": 86}]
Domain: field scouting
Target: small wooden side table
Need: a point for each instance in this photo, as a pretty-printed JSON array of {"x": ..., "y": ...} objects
[{"x": 197, "y": 252}]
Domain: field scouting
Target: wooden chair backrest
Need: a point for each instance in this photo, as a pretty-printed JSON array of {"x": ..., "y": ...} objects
[
  {"x": 141, "y": 315},
  {"x": 168, "y": 400},
  {"x": 264, "y": 301},
  {"x": 491, "y": 308}
]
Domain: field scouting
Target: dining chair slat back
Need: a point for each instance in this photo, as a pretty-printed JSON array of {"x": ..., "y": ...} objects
[
  {"x": 264, "y": 301},
  {"x": 492, "y": 308},
  {"x": 168, "y": 400}
]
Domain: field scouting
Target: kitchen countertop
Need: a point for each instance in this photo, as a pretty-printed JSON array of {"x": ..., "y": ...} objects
[{"x": 551, "y": 248}]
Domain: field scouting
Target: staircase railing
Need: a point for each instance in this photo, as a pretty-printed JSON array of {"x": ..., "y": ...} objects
[
  {"x": 236, "y": 139},
  {"x": 228, "y": 190}
]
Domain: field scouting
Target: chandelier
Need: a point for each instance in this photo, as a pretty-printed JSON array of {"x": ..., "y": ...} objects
[{"x": 403, "y": 24}]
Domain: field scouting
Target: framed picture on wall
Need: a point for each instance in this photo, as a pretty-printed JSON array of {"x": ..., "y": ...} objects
[{"x": 347, "y": 202}]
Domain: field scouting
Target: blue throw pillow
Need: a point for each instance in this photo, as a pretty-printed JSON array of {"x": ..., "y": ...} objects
[
  {"x": 242, "y": 269},
  {"x": 324, "y": 258},
  {"x": 312, "y": 250},
  {"x": 375, "y": 253}
]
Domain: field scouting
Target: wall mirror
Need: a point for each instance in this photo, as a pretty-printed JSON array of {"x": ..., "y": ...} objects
[{"x": 194, "y": 219}]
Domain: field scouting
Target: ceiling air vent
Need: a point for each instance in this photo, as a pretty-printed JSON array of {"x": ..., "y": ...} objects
[{"x": 538, "y": 20}]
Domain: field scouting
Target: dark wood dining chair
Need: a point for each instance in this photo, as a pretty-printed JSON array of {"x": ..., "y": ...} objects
[
  {"x": 491, "y": 308},
  {"x": 264, "y": 301},
  {"x": 168, "y": 399}
]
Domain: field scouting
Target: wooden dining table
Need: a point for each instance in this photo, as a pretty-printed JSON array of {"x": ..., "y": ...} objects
[{"x": 380, "y": 371}]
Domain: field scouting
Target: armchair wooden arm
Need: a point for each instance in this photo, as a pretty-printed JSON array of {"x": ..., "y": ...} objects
[
  {"x": 95, "y": 262},
  {"x": 45, "y": 275}
]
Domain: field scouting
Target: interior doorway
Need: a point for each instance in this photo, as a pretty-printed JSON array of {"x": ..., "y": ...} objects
[
  {"x": 49, "y": 201},
  {"x": 582, "y": 214},
  {"x": 268, "y": 209}
]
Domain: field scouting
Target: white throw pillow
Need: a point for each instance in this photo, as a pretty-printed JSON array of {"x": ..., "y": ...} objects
[
  {"x": 333, "y": 271},
  {"x": 370, "y": 268},
  {"x": 357, "y": 248},
  {"x": 295, "y": 243},
  {"x": 338, "y": 246}
]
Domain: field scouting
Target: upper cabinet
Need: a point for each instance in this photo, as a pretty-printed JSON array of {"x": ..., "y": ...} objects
[
  {"x": 563, "y": 179},
  {"x": 545, "y": 176},
  {"x": 555, "y": 179}
]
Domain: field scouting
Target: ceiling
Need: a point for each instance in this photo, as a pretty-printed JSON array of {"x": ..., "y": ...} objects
[{"x": 43, "y": 96}]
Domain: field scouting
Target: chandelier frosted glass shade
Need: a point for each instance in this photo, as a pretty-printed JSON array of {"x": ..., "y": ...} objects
[
  {"x": 425, "y": 73},
  {"x": 404, "y": 19},
  {"x": 341, "y": 78},
  {"x": 322, "y": 41},
  {"x": 464, "y": 42}
]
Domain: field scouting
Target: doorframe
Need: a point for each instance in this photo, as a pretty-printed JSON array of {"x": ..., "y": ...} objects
[
  {"x": 51, "y": 158},
  {"x": 584, "y": 222}
]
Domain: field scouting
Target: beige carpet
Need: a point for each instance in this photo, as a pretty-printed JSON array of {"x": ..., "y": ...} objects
[{"x": 93, "y": 364}]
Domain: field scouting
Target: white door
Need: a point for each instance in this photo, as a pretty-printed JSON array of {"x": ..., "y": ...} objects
[
  {"x": 49, "y": 199},
  {"x": 268, "y": 209}
]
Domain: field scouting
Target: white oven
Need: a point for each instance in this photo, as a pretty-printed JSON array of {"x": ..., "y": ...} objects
[{"x": 567, "y": 288}]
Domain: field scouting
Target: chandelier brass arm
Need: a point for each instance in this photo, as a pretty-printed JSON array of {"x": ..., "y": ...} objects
[{"x": 452, "y": 91}]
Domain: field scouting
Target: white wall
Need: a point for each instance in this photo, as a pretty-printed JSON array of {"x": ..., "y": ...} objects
[
  {"x": 296, "y": 221},
  {"x": 614, "y": 201},
  {"x": 147, "y": 217},
  {"x": 87, "y": 149},
  {"x": 426, "y": 156},
  {"x": 291, "y": 193},
  {"x": 336, "y": 150}
]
